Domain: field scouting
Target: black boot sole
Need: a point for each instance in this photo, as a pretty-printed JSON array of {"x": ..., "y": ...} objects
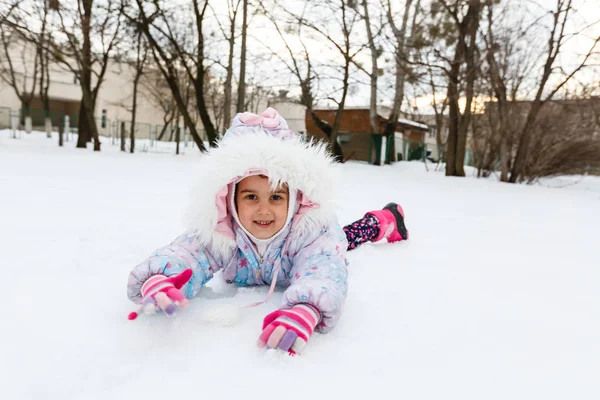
[{"x": 393, "y": 208}]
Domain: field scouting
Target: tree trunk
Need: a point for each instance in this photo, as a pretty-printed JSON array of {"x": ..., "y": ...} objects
[
  {"x": 374, "y": 72},
  {"x": 123, "y": 136},
  {"x": 83, "y": 131},
  {"x": 209, "y": 128},
  {"x": 326, "y": 129},
  {"x": 439, "y": 128},
  {"x": 139, "y": 67},
  {"x": 134, "y": 109},
  {"x": 229, "y": 78},
  {"x": 400, "y": 62},
  {"x": 87, "y": 125},
  {"x": 44, "y": 68},
  {"x": 472, "y": 25},
  {"x": 202, "y": 110},
  {"x": 88, "y": 108},
  {"x": 464, "y": 52},
  {"x": 453, "y": 117},
  {"x": 61, "y": 131},
  {"x": 132, "y": 135},
  {"x": 523, "y": 149},
  {"x": 228, "y": 89},
  {"x": 338, "y": 115},
  {"x": 242, "y": 84}
]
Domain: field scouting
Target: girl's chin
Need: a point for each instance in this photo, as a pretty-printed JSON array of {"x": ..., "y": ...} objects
[{"x": 261, "y": 231}]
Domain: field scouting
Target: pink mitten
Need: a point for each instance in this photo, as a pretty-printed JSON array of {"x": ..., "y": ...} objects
[
  {"x": 160, "y": 292},
  {"x": 289, "y": 330}
]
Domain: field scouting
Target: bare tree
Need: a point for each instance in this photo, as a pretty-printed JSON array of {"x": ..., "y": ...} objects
[
  {"x": 375, "y": 53},
  {"x": 79, "y": 24},
  {"x": 509, "y": 57},
  {"x": 141, "y": 48},
  {"x": 466, "y": 17},
  {"x": 566, "y": 139},
  {"x": 300, "y": 65},
  {"x": 553, "y": 129},
  {"x": 439, "y": 109},
  {"x": 556, "y": 40},
  {"x": 344, "y": 16},
  {"x": 30, "y": 40},
  {"x": 216, "y": 102},
  {"x": 400, "y": 60},
  {"x": 402, "y": 57},
  {"x": 232, "y": 11},
  {"x": 23, "y": 84},
  {"x": 23, "y": 76},
  {"x": 160, "y": 96},
  {"x": 174, "y": 50},
  {"x": 43, "y": 11}
]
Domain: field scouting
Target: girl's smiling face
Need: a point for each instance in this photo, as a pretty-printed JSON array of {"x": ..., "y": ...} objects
[{"x": 261, "y": 211}]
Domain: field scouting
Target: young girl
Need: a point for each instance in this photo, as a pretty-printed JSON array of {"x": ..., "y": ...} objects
[{"x": 263, "y": 213}]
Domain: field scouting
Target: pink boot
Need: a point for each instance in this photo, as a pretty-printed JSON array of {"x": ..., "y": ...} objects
[{"x": 391, "y": 223}]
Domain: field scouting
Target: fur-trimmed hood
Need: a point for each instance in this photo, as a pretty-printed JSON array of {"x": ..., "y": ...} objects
[{"x": 249, "y": 150}]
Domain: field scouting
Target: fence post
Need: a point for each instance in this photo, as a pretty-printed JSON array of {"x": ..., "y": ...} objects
[
  {"x": 67, "y": 129},
  {"x": 382, "y": 151},
  {"x": 28, "y": 124},
  {"x": 48, "y": 126},
  {"x": 14, "y": 122},
  {"x": 111, "y": 129}
]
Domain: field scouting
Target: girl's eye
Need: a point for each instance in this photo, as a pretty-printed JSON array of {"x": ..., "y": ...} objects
[
  {"x": 276, "y": 197},
  {"x": 251, "y": 197}
]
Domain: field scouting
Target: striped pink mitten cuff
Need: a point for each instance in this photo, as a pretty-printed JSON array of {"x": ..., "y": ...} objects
[
  {"x": 163, "y": 283},
  {"x": 155, "y": 284},
  {"x": 289, "y": 329}
]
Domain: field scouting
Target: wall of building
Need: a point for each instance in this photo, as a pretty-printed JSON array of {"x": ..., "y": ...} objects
[
  {"x": 292, "y": 112},
  {"x": 355, "y": 136},
  {"x": 114, "y": 99}
]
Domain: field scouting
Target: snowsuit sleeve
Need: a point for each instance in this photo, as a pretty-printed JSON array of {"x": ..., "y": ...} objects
[
  {"x": 183, "y": 253},
  {"x": 319, "y": 276}
]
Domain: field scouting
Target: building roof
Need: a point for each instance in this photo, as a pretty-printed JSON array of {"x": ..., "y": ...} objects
[{"x": 383, "y": 111}]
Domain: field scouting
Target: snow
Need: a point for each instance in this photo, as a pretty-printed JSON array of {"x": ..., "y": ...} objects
[
  {"x": 494, "y": 296},
  {"x": 413, "y": 123}
]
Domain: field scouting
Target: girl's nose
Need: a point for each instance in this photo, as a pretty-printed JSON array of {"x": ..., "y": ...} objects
[{"x": 263, "y": 208}]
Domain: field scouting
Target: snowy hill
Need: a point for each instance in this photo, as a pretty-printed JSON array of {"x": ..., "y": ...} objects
[{"x": 494, "y": 297}]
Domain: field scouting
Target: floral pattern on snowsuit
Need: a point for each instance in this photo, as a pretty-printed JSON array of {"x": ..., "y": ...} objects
[{"x": 313, "y": 267}]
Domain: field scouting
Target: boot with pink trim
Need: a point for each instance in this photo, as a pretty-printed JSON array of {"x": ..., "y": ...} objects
[{"x": 391, "y": 223}]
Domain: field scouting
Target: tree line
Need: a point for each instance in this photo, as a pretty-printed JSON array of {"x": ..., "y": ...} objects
[{"x": 492, "y": 73}]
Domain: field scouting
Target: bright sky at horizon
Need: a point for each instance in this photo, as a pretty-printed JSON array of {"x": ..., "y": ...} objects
[{"x": 266, "y": 50}]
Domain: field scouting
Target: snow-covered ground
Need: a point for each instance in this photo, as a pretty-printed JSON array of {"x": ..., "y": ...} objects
[{"x": 495, "y": 296}]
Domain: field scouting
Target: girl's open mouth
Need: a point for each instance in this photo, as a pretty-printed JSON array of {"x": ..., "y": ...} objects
[{"x": 263, "y": 224}]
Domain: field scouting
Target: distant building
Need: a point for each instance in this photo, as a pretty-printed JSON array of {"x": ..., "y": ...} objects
[
  {"x": 113, "y": 102},
  {"x": 359, "y": 143},
  {"x": 433, "y": 151},
  {"x": 291, "y": 110}
]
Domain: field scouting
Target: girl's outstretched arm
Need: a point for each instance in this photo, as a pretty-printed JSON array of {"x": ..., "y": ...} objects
[
  {"x": 319, "y": 275},
  {"x": 183, "y": 253}
]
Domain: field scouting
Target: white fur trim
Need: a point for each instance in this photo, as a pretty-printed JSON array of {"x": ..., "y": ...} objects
[{"x": 305, "y": 166}]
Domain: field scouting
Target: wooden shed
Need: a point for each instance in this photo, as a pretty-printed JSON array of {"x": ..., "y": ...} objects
[{"x": 359, "y": 143}]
